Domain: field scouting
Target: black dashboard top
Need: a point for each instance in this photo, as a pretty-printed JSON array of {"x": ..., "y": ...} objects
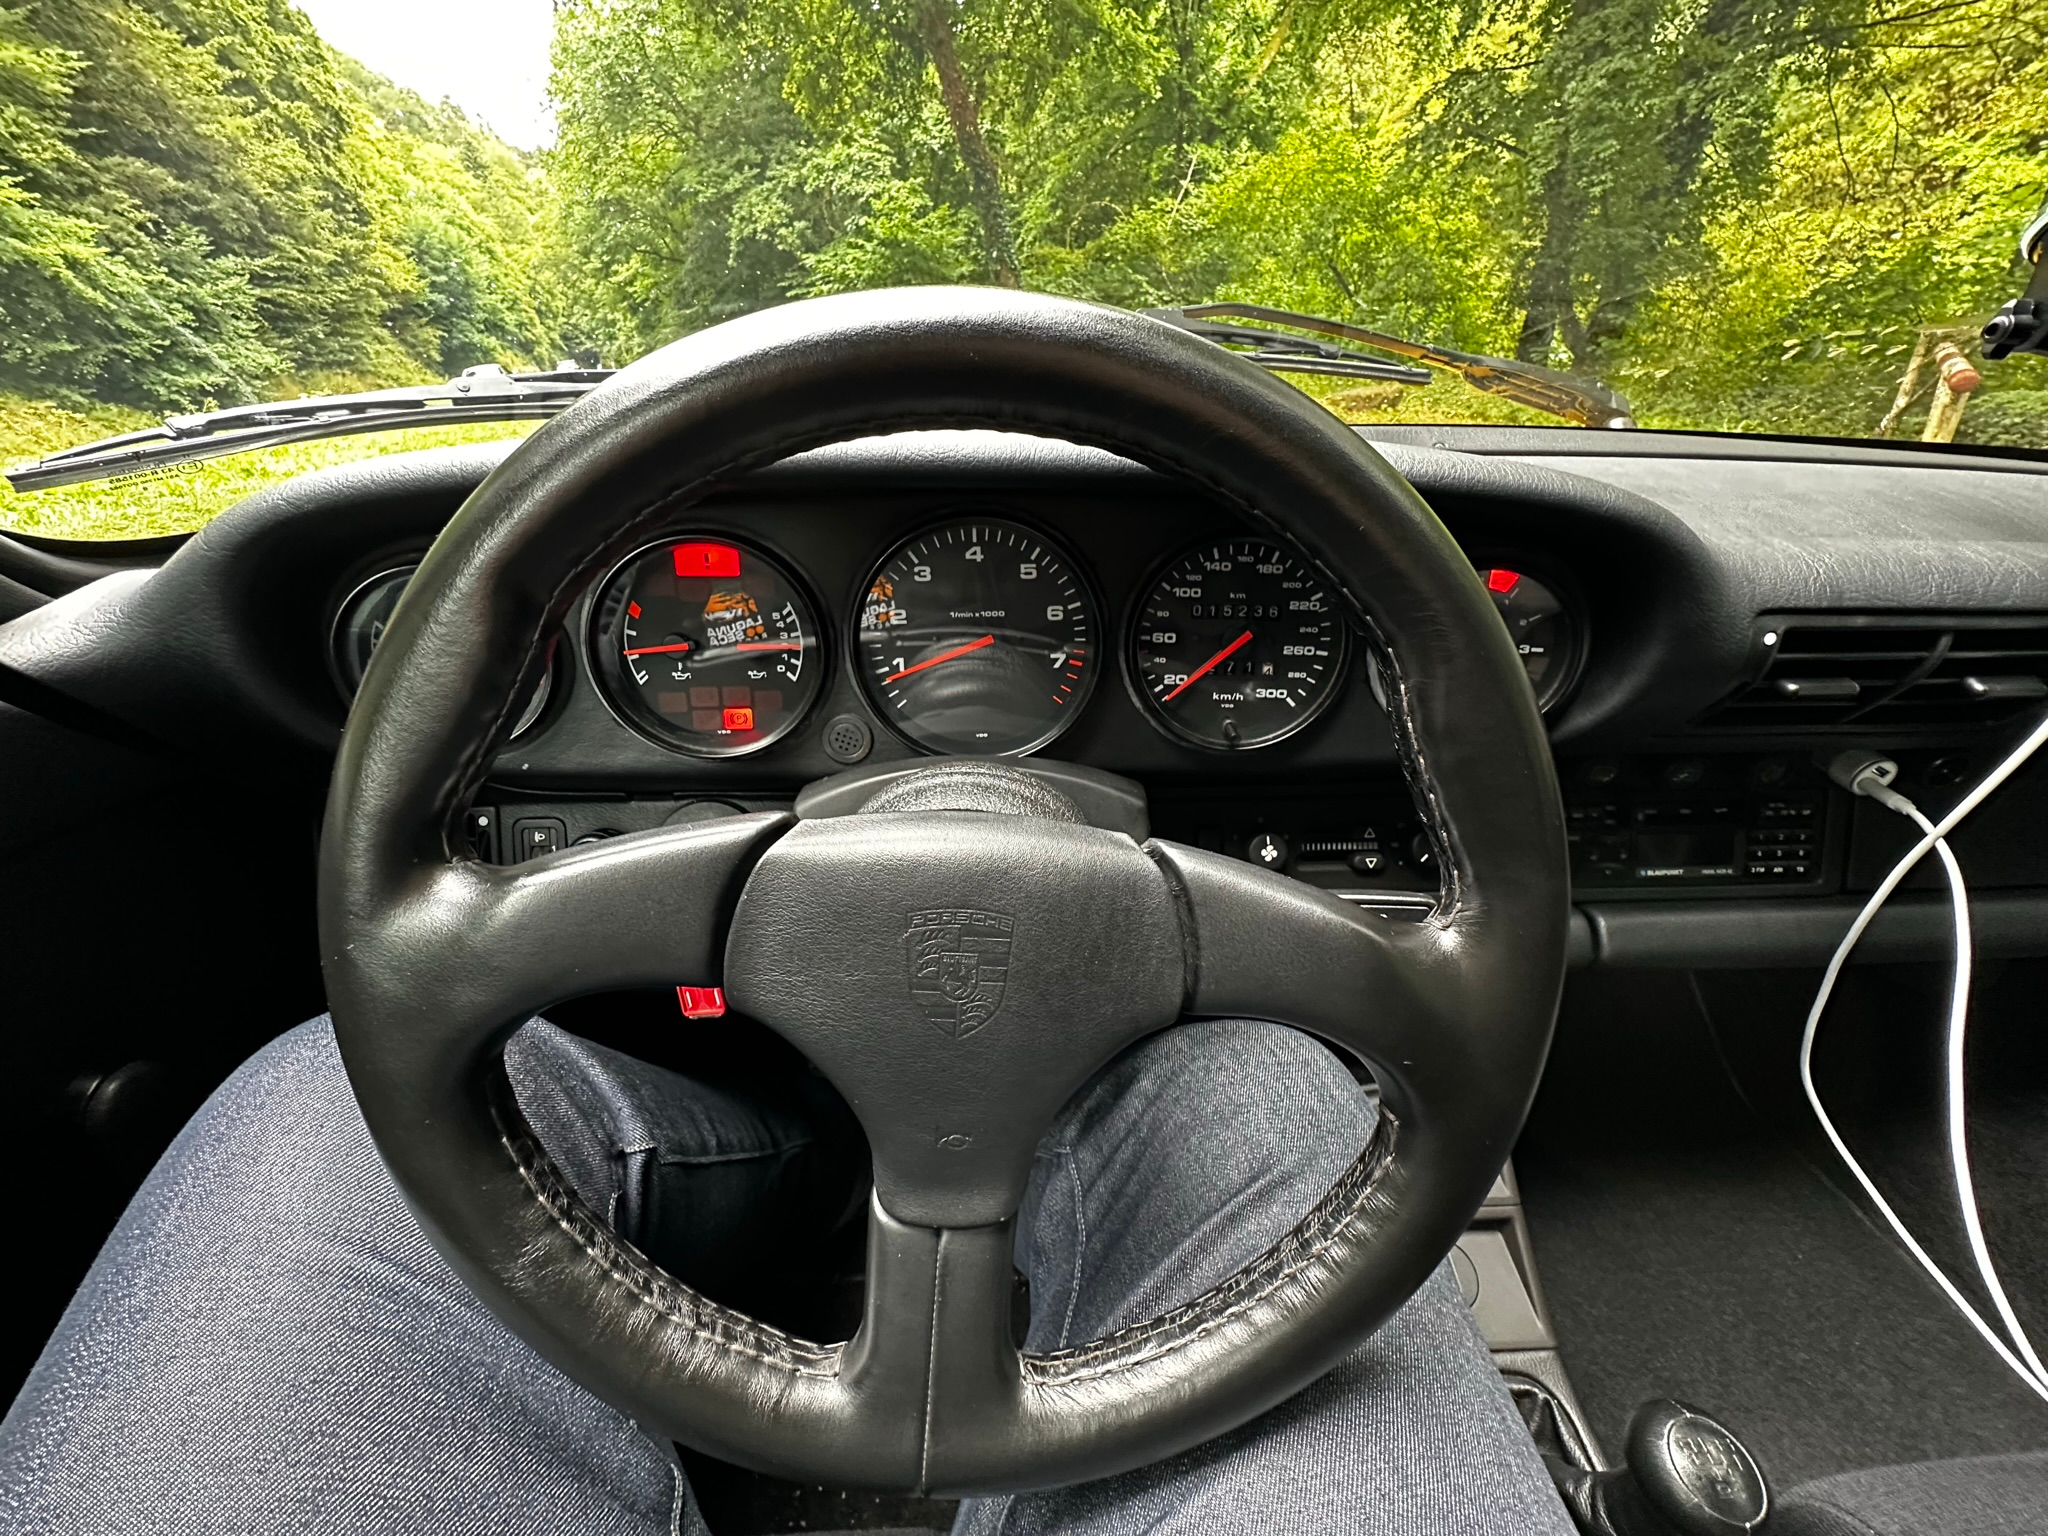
[{"x": 1666, "y": 560}]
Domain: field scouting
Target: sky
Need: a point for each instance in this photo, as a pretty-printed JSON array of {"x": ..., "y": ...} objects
[{"x": 490, "y": 57}]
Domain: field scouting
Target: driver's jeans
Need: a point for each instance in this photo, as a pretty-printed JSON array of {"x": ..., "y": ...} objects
[{"x": 268, "y": 1342}]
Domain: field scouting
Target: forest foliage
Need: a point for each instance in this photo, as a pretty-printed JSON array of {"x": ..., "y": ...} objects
[
  {"x": 200, "y": 201},
  {"x": 1740, "y": 213}
]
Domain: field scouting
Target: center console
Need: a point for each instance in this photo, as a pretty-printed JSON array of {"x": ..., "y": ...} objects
[{"x": 1637, "y": 826}]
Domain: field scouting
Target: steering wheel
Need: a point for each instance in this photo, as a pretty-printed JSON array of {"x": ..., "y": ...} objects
[{"x": 817, "y": 927}]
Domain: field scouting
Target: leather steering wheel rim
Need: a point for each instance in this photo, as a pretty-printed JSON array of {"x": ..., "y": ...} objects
[{"x": 432, "y": 958}]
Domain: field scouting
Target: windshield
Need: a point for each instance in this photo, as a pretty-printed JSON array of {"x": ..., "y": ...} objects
[{"x": 1789, "y": 217}]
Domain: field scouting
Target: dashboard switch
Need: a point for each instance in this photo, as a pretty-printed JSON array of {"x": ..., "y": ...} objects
[
  {"x": 1267, "y": 851},
  {"x": 701, "y": 1002},
  {"x": 535, "y": 836},
  {"x": 482, "y": 825}
]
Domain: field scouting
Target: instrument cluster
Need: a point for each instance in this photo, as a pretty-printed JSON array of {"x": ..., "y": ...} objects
[{"x": 978, "y": 634}]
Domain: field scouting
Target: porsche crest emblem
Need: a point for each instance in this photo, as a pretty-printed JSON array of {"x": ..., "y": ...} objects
[{"x": 959, "y": 961}]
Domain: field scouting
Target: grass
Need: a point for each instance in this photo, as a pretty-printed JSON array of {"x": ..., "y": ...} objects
[{"x": 188, "y": 496}]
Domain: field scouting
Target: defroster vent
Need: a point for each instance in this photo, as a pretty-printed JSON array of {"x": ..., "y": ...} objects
[{"x": 1891, "y": 672}]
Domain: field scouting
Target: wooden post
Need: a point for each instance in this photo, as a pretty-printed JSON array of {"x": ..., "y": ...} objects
[
  {"x": 1956, "y": 378},
  {"x": 1909, "y": 384}
]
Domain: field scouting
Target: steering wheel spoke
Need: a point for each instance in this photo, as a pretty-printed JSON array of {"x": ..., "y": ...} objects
[
  {"x": 452, "y": 956},
  {"x": 492, "y": 946},
  {"x": 647, "y": 909},
  {"x": 1264, "y": 946}
]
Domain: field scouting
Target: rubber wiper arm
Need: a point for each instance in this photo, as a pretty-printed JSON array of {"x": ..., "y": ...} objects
[
  {"x": 478, "y": 395},
  {"x": 1585, "y": 402},
  {"x": 1284, "y": 353}
]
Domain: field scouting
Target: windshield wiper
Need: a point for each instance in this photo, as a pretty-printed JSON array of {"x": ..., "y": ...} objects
[
  {"x": 486, "y": 393},
  {"x": 1280, "y": 352},
  {"x": 489, "y": 393},
  {"x": 1586, "y": 402}
]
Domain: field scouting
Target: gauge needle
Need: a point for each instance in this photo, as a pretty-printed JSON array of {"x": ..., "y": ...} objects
[
  {"x": 1207, "y": 667},
  {"x": 662, "y": 650},
  {"x": 769, "y": 645},
  {"x": 958, "y": 650}
]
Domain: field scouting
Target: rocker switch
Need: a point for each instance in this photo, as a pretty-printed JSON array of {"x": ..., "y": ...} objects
[{"x": 535, "y": 836}]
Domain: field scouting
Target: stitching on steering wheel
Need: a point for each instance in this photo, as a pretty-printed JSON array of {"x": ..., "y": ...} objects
[
  {"x": 652, "y": 1286},
  {"x": 734, "y": 1331},
  {"x": 722, "y": 1327},
  {"x": 1312, "y": 1237}
]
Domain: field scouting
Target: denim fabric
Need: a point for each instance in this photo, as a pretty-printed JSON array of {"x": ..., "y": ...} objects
[
  {"x": 1183, "y": 1161},
  {"x": 268, "y": 1343},
  {"x": 729, "y": 1190}
]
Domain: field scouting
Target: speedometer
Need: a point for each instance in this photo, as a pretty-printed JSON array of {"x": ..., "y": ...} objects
[
  {"x": 978, "y": 637},
  {"x": 1238, "y": 645}
]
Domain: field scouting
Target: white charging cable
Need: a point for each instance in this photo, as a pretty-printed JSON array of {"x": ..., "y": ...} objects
[{"x": 1871, "y": 775}]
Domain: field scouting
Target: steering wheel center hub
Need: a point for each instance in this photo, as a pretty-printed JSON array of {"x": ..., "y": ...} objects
[{"x": 957, "y": 975}]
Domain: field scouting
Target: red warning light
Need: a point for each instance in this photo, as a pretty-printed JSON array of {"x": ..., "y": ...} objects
[
  {"x": 737, "y": 719},
  {"x": 1502, "y": 582},
  {"x": 707, "y": 560}
]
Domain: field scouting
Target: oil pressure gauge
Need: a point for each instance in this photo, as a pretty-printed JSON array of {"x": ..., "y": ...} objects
[{"x": 1543, "y": 627}]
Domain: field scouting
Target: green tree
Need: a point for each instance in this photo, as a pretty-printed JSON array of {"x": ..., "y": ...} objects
[{"x": 200, "y": 201}]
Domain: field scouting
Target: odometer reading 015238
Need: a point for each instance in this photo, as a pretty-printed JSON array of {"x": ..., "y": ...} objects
[{"x": 1238, "y": 645}]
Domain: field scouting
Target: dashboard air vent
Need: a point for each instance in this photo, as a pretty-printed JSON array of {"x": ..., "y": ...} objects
[{"x": 1894, "y": 672}]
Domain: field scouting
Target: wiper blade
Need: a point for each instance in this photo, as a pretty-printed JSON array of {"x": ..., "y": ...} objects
[
  {"x": 1282, "y": 353},
  {"x": 1585, "y": 402},
  {"x": 481, "y": 394}
]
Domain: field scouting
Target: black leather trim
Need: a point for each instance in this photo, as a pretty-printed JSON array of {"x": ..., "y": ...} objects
[{"x": 994, "y": 788}]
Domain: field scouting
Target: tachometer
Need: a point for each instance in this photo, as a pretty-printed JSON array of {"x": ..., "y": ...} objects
[
  {"x": 978, "y": 636},
  {"x": 707, "y": 646},
  {"x": 1238, "y": 645}
]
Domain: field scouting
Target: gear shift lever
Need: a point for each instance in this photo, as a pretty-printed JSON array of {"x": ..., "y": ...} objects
[{"x": 1687, "y": 1475}]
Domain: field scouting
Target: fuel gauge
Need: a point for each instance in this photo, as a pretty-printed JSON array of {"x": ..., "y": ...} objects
[{"x": 706, "y": 646}]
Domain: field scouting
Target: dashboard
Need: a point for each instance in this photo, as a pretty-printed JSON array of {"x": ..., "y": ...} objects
[
  {"x": 1701, "y": 621},
  {"x": 977, "y": 633}
]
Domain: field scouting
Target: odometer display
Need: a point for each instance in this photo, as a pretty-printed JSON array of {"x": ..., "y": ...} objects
[
  {"x": 1238, "y": 645},
  {"x": 707, "y": 646},
  {"x": 977, "y": 637}
]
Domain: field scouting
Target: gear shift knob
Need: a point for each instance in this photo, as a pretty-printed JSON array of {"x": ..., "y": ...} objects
[
  {"x": 1694, "y": 1472},
  {"x": 1687, "y": 1474}
]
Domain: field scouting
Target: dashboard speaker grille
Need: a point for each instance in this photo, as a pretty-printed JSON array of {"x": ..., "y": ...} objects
[{"x": 1890, "y": 672}]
